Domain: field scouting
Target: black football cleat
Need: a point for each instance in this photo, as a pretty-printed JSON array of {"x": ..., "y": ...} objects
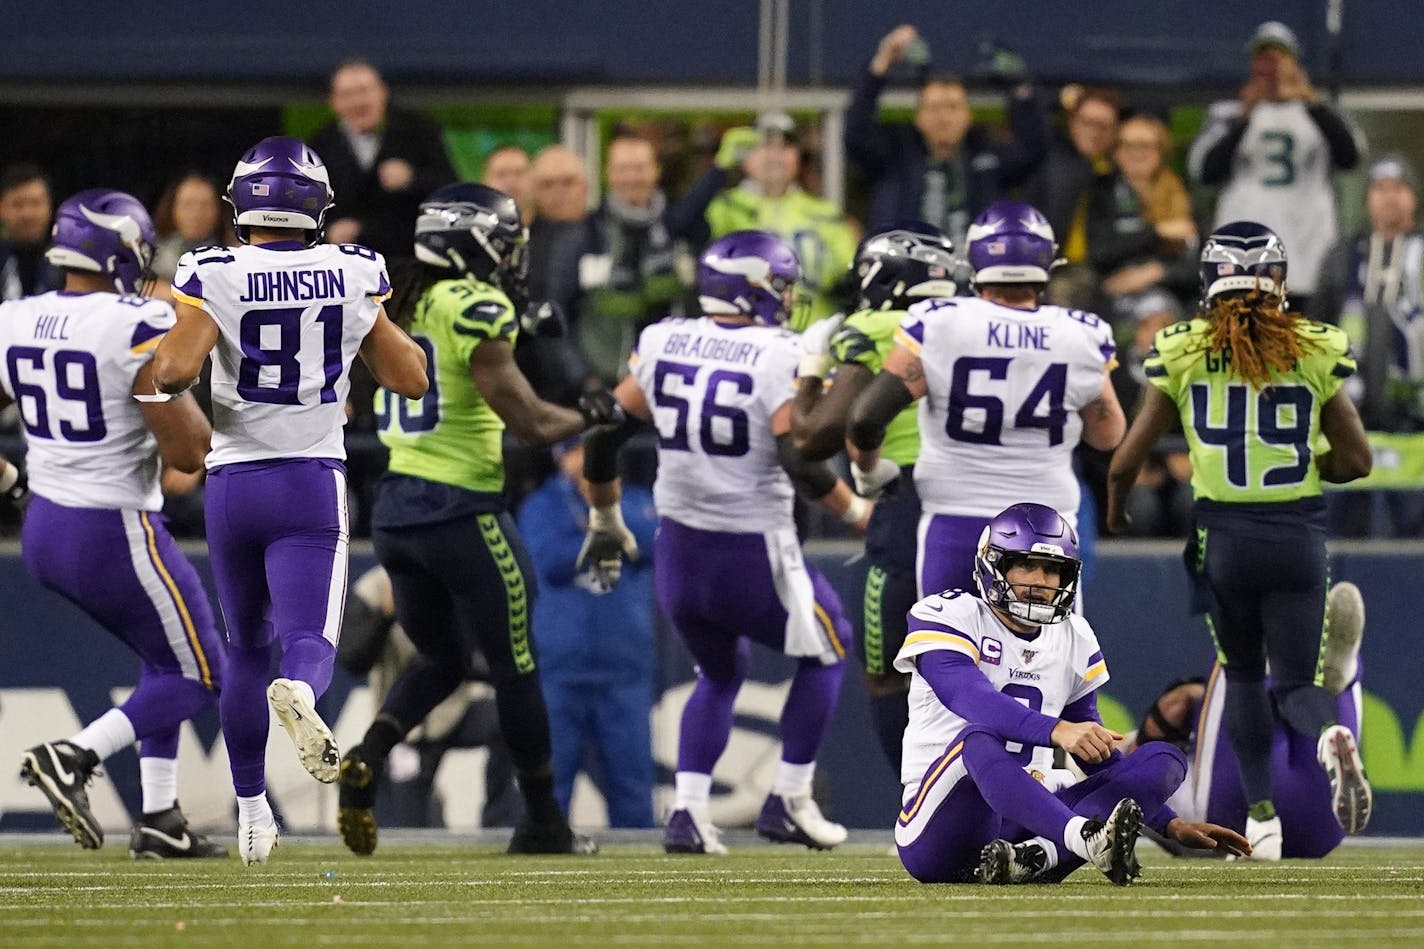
[
  {"x": 164, "y": 835},
  {"x": 61, "y": 770},
  {"x": 356, "y": 801},
  {"x": 532, "y": 838}
]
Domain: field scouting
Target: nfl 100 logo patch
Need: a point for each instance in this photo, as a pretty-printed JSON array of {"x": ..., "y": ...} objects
[{"x": 991, "y": 651}]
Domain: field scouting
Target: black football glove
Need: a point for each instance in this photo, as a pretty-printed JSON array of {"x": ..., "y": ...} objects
[
  {"x": 599, "y": 407},
  {"x": 542, "y": 321}
]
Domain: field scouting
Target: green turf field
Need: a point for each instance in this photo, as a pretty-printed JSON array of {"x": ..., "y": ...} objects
[{"x": 314, "y": 893}]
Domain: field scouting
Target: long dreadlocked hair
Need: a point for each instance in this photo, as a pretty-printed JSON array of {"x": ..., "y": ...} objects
[
  {"x": 409, "y": 280},
  {"x": 1258, "y": 334}
]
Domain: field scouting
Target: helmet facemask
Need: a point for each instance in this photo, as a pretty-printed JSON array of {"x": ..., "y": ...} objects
[{"x": 1030, "y": 604}]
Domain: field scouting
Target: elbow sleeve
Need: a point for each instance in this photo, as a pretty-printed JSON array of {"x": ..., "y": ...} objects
[{"x": 600, "y": 450}]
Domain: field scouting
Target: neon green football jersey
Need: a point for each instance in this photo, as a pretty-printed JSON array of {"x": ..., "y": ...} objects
[
  {"x": 451, "y": 435},
  {"x": 866, "y": 338},
  {"x": 1249, "y": 446}
]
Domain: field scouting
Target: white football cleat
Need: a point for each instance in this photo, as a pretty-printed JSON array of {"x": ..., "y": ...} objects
[
  {"x": 797, "y": 820},
  {"x": 687, "y": 834},
  {"x": 1345, "y": 620},
  {"x": 316, "y": 748},
  {"x": 255, "y": 842},
  {"x": 1265, "y": 837},
  {"x": 1350, "y": 796}
]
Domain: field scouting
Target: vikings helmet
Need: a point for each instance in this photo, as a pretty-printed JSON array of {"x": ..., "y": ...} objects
[
  {"x": 748, "y": 273},
  {"x": 280, "y": 183},
  {"x": 898, "y": 266},
  {"x": 1028, "y": 532},
  {"x": 105, "y": 232},
  {"x": 1243, "y": 255},
  {"x": 474, "y": 230},
  {"x": 1010, "y": 242}
]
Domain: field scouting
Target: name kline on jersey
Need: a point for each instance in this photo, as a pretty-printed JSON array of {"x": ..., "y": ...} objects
[{"x": 279, "y": 286}]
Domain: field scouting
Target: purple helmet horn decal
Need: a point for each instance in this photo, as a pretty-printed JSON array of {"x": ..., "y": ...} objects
[
  {"x": 105, "y": 232},
  {"x": 1011, "y": 242},
  {"x": 280, "y": 183},
  {"x": 748, "y": 273}
]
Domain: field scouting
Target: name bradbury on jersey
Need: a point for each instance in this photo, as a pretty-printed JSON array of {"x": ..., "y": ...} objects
[
  {"x": 724, "y": 350},
  {"x": 276, "y": 286}
]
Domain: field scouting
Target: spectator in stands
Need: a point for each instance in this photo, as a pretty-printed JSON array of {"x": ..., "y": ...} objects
[
  {"x": 1371, "y": 286},
  {"x": 942, "y": 169},
  {"x": 1273, "y": 152},
  {"x": 628, "y": 269},
  {"x": 1141, "y": 153},
  {"x": 1096, "y": 214},
  {"x": 770, "y": 198},
  {"x": 26, "y": 209},
  {"x": 382, "y": 162},
  {"x": 507, "y": 169},
  {"x": 190, "y": 214},
  {"x": 554, "y": 366},
  {"x": 596, "y": 652}
]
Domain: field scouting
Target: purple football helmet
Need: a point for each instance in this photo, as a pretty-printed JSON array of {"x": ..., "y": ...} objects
[
  {"x": 280, "y": 182},
  {"x": 1243, "y": 256},
  {"x": 748, "y": 273},
  {"x": 1028, "y": 532},
  {"x": 1011, "y": 242},
  {"x": 105, "y": 232}
]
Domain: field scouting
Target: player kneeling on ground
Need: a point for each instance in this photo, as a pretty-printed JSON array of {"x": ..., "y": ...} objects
[{"x": 996, "y": 684}]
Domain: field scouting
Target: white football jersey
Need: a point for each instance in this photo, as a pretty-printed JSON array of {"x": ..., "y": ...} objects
[
  {"x": 70, "y": 362},
  {"x": 999, "y": 421},
  {"x": 290, "y": 321},
  {"x": 713, "y": 390},
  {"x": 1048, "y": 673},
  {"x": 1281, "y": 176}
]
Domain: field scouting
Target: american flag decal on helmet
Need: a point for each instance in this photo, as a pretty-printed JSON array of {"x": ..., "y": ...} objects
[
  {"x": 995, "y": 247},
  {"x": 260, "y": 190}
]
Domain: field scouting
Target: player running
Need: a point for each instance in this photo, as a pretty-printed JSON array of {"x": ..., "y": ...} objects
[
  {"x": 93, "y": 534},
  {"x": 1007, "y": 386},
  {"x": 1254, "y": 386},
  {"x": 283, "y": 317},
  {"x": 728, "y": 568},
  {"x": 997, "y": 682},
  {"x": 462, "y": 580}
]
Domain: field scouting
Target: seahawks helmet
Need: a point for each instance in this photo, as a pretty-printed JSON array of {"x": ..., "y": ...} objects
[
  {"x": 896, "y": 267},
  {"x": 474, "y": 230},
  {"x": 748, "y": 273},
  {"x": 1243, "y": 256},
  {"x": 1011, "y": 242},
  {"x": 105, "y": 232},
  {"x": 280, "y": 183},
  {"x": 1021, "y": 533}
]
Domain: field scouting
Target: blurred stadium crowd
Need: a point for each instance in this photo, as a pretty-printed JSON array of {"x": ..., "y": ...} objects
[{"x": 1128, "y": 197}]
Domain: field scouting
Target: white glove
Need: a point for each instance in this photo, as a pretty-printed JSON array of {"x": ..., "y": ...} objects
[
  {"x": 607, "y": 542},
  {"x": 816, "y": 341},
  {"x": 870, "y": 484}
]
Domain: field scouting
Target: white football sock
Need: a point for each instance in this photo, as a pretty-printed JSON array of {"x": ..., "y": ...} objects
[
  {"x": 1073, "y": 837},
  {"x": 693, "y": 793},
  {"x": 159, "y": 779},
  {"x": 793, "y": 780},
  {"x": 106, "y": 734},
  {"x": 254, "y": 810}
]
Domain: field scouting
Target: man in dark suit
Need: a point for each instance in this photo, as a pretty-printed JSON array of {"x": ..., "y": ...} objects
[{"x": 382, "y": 162}]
